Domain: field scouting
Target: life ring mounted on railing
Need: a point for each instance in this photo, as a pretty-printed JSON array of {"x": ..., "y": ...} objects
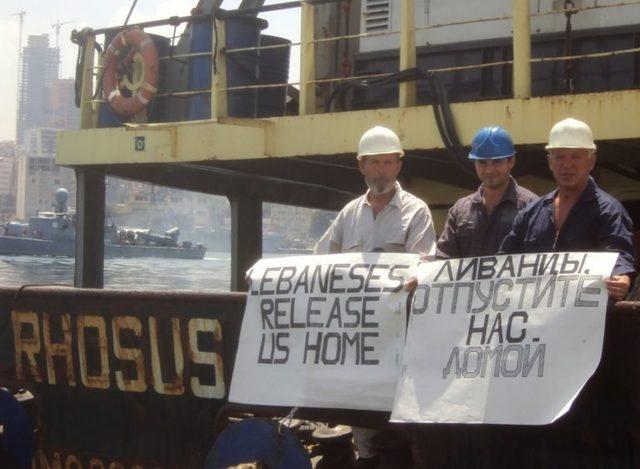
[{"x": 117, "y": 70}]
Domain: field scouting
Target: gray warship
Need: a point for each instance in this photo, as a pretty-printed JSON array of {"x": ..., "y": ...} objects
[{"x": 53, "y": 234}]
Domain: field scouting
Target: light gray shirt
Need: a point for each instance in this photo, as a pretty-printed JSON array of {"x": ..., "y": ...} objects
[{"x": 403, "y": 225}]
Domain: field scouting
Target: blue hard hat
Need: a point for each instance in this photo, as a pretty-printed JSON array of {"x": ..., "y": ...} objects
[{"x": 491, "y": 143}]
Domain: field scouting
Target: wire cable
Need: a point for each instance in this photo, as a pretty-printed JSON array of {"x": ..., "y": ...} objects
[
  {"x": 130, "y": 11},
  {"x": 440, "y": 104}
]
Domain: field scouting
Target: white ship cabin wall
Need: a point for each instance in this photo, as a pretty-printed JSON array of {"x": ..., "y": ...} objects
[
  {"x": 434, "y": 20},
  {"x": 454, "y": 33}
]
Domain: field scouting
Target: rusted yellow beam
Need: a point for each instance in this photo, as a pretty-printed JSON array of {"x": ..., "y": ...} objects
[
  {"x": 203, "y": 140},
  {"x": 307, "y": 97},
  {"x": 611, "y": 115},
  {"x": 219, "y": 72},
  {"x": 95, "y": 106},
  {"x": 521, "y": 49},
  {"x": 87, "y": 111},
  {"x": 407, "y": 91}
]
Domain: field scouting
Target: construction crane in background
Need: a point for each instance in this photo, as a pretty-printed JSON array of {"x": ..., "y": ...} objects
[
  {"x": 57, "y": 27},
  {"x": 21, "y": 15}
]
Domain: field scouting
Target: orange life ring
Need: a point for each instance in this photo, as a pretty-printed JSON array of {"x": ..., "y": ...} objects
[{"x": 112, "y": 79}]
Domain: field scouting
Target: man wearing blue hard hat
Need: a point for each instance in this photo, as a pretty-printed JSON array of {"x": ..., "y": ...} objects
[{"x": 477, "y": 223}]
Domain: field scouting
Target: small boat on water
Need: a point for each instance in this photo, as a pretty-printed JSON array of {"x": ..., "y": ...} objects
[{"x": 53, "y": 234}]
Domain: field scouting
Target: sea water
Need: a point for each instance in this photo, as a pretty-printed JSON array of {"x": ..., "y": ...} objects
[{"x": 213, "y": 273}]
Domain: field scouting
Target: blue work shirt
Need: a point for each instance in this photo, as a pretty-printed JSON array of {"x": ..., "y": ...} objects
[
  {"x": 596, "y": 222},
  {"x": 471, "y": 232}
]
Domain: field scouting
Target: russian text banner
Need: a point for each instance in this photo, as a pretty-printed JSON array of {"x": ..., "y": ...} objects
[{"x": 506, "y": 339}]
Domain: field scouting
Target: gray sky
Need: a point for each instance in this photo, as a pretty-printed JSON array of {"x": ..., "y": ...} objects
[{"x": 41, "y": 15}]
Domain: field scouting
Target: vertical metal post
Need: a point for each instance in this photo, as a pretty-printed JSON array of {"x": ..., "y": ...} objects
[
  {"x": 246, "y": 238},
  {"x": 407, "y": 96},
  {"x": 19, "y": 126},
  {"x": 219, "y": 71},
  {"x": 521, "y": 49},
  {"x": 307, "y": 60},
  {"x": 90, "y": 195},
  {"x": 95, "y": 107},
  {"x": 86, "y": 91}
]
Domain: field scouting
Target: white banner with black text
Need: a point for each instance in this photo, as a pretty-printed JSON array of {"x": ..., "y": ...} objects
[
  {"x": 509, "y": 339},
  {"x": 323, "y": 331}
]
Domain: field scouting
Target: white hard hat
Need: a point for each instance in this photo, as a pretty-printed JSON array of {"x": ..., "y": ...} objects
[
  {"x": 570, "y": 133},
  {"x": 378, "y": 141}
]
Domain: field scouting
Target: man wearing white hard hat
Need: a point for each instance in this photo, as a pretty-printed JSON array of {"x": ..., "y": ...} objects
[
  {"x": 385, "y": 219},
  {"x": 578, "y": 215}
]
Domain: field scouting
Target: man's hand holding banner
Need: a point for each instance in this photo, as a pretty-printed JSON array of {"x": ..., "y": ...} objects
[{"x": 505, "y": 339}]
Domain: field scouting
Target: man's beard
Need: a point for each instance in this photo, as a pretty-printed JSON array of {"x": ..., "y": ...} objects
[{"x": 387, "y": 189}]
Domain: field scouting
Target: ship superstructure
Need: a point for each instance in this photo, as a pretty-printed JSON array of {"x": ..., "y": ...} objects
[{"x": 435, "y": 74}]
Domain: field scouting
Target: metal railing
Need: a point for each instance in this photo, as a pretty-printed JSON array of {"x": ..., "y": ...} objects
[{"x": 521, "y": 63}]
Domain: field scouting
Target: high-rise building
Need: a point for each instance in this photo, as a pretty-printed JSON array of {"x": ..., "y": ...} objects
[
  {"x": 7, "y": 179},
  {"x": 38, "y": 175},
  {"x": 62, "y": 111},
  {"x": 7, "y": 161},
  {"x": 40, "y": 64}
]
